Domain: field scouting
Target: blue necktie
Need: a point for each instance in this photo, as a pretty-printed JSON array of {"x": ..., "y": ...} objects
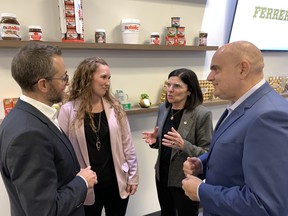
[{"x": 224, "y": 115}]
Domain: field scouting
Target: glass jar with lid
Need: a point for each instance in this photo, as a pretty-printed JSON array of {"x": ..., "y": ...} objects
[
  {"x": 9, "y": 27},
  {"x": 155, "y": 38},
  {"x": 203, "y": 38},
  {"x": 35, "y": 33},
  {"x": 100, "y": 36}
]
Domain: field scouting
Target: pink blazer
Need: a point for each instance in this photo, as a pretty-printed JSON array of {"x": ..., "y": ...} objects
[{"x": 123, "y": 150}]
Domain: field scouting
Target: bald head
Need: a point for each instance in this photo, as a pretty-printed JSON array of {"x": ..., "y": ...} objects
[
  {"x": 244, "y": 51},
  {"x": 235, "y": 68}
]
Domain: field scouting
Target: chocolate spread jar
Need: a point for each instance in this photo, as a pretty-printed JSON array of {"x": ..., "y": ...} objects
[
  {"x": 203, "y": 38},
  {"x": 9, "y": 27},
  {"x": 155, "y": 38},
  {"x": 35, "y": 33},
  {"x": 100, "y": 36}
]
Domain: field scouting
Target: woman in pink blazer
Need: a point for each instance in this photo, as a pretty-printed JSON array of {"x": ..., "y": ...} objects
[{"x": 99, "y": 131}]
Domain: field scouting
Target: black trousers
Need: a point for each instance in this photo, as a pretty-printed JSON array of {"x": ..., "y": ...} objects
[
  {"x": 109, "y": 198},
  {"x": 173, "y": 201}
]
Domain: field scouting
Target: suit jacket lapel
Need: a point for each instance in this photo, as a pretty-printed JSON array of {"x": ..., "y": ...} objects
[
  {"x": 162, "y": 122},
  {"x": 183, "y": 128},
  {"x": 32, "y": 110},
  {"x": 240, "y": 111},
  {"x": 80, "y": 134}
]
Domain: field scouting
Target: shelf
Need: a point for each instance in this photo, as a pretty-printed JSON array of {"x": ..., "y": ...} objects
[
  {"x": 215, "y": 102},
  {"x": 138, "y": 110},
  {"x": 154, "y": 108},
  {"x": 110, "y": 46}
]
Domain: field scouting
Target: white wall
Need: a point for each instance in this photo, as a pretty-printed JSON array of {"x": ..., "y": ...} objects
[{"x": 134, "y": 72}]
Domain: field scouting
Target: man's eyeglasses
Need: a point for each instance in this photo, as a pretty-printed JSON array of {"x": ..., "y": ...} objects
[{"x": 65, "y": 79}]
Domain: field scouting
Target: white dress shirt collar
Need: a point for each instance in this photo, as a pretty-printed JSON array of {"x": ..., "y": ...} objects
[
  {"x": 233, "y": 106},
  {"x": 50, "y": 112}
]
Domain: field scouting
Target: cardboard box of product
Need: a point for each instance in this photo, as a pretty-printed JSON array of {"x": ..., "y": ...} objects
[{"x": 71, "y": 20}]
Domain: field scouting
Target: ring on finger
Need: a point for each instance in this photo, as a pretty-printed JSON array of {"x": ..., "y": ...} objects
[{"x": 173, "y": 143}]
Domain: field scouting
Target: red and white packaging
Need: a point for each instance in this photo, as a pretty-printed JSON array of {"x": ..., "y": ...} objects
[
  {"x": 71, "y": 20},
  {"x": 9, "y": 103},
  {"x": 181, "y": 41}
]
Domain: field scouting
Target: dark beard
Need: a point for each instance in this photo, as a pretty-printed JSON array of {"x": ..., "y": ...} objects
[{"x": 55, "y": 96}]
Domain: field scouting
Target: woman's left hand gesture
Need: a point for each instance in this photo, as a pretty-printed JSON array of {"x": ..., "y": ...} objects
[{"x": 173, "y": 140}]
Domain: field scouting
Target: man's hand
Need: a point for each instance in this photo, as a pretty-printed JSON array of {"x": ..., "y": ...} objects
[
  {"x": 192, "y": 166},
  {"x": 190, "y": 185},
  {"x": 89, "y": 175}
]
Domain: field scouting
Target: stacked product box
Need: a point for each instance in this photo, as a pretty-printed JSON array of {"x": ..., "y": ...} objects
[
  {"x": 279, "y": 83},
  {"x": 207, "y": 89},
  {"x": 9, "y": 103},
  {"x": 71, "y": 20},
  {"x": 175, "y": 33}
]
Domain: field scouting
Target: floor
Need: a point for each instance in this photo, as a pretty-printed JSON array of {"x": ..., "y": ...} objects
[{"x": 159, "y": 213}]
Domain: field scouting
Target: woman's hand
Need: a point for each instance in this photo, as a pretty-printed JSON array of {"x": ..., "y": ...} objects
[
  {"x": 173, "y": 140},
  {"x": 150, "y": 137},
  {"x": 131, "y": 189}
]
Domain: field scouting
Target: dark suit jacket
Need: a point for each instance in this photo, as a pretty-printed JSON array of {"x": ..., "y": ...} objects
[
  {"x": 246, "y": 168},
  {"x": 38, "y": 165},
  {"x": 195, "y": 129}
]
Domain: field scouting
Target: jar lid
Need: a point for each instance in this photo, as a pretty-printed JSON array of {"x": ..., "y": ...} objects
[
  {"x": 8, "y": 15},
  {"x": 100, "y": 30},
  {"x": 130, "y": 21},
  {"x": 154, "y": 33},
  {"x": 34, "y": 27}
]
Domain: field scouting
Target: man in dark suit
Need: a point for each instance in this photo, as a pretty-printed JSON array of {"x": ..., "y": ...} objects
[
  {"x": 37, "y": 161},
  {"x": 246, "y": 167}
]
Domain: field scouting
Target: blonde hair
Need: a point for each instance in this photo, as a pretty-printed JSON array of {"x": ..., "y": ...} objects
[{"x": 80, "y": 89}]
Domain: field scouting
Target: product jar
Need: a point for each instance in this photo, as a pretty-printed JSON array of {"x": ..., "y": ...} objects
[
  {"x": 100, "y": 36},
  {"x": 175, "y": 21},
  {"x": 35, "y": 33},
  {"x": 155, "y": 38},
  {"x": 203, "y": 38},
  {"x": 9, "y": 27}
]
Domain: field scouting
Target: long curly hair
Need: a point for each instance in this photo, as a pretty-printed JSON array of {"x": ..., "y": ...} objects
[{"x": 80, "y": 88}]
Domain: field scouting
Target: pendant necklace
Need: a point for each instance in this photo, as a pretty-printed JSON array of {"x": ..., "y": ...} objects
[
  {"x": 98, "y": 143},
  {"x": 173, "y": 114}
]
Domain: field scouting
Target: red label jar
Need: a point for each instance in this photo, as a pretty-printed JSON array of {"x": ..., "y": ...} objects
[
  {"x": 155, "y": 38},
  {"x": 9, "y": 27},
  {"x": 35, "y": 33}
]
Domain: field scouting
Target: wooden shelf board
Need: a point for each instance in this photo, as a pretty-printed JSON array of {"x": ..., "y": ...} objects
[
  {"x": 154, "y": 108},
  {"x": 110, "y": 46}
]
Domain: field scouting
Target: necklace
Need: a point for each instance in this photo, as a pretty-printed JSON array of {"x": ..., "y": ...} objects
[
  {"x": 174, "y": 114},
  {"x": 98, "y": 143}
]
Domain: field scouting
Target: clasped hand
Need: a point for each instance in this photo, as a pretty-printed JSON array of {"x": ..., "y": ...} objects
[
  {"x": 192, "y": 166},
  {"x": 89, "y": 175}
]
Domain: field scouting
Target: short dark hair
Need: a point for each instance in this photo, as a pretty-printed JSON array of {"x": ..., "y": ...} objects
[
  {"x": 33, "y": 62},
  {"x": 190, "y": 79}
]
